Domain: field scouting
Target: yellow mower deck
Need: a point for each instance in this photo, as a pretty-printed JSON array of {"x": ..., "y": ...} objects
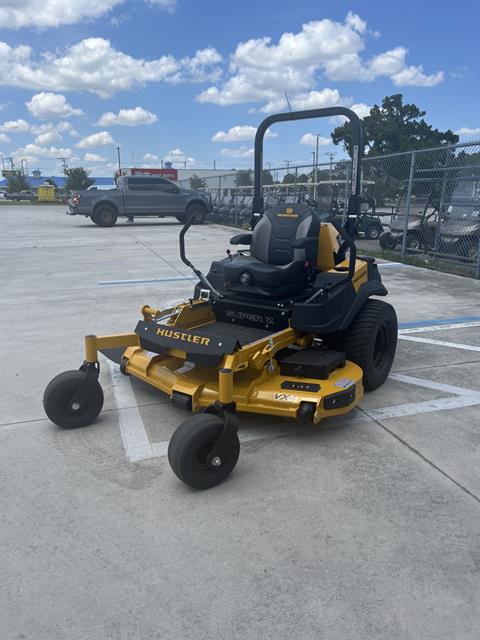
[{"x": 249, "y": 376}]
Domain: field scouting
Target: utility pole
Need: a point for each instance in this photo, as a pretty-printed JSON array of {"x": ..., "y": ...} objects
[
  {"x": 64, "y": 163},
  {"x": 332, "y": 155},
  {"x": 214, "y": 165},
  {"x": 26, "y": 166},
  {"x": 22, "y": 170},
  {"x": 119, "y": 163},
  {"x": 3, "y": 162}
]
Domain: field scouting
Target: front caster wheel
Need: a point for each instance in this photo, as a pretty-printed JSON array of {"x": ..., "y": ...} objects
[
  {"x": 58, "y": 405},
  {"x": 190, "y": 447}
]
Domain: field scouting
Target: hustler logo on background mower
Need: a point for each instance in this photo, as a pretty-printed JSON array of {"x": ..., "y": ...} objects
[{"x": 186, "y": 337}]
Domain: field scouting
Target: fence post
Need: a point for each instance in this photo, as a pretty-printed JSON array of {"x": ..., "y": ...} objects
[
  {"x": 409, "y": 195},
  {"x": 477, "y": 266},
  {"x": 441, "y": 203}
]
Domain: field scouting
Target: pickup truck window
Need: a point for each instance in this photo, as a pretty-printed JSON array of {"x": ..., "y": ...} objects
[{"x": 149, "y": 184}]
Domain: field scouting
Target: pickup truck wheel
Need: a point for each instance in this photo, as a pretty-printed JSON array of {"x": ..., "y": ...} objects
[
  {"x": 104, "y": 215},
  {"x": 199, "y": 211}
]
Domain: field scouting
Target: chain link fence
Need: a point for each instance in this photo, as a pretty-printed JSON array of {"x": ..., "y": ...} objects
[{"x": 420, "y": 206}]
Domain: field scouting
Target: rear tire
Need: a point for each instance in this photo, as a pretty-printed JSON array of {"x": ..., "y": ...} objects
[
  {"x": 386, "y": 241},
  {"x": 371, "y": 342},
  {"x": 373, "y": 232},
  {"x": 105, "y": 216},
  {"x": 413, "y": 242}
]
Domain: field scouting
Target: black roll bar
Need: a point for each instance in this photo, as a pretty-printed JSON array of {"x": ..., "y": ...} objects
[{"x": 356, "y": 172}]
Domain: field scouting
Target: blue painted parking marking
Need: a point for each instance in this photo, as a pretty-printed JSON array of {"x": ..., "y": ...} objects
[
  {"x": 438, "y": 322},
  {"x": 147, "y": 280}
]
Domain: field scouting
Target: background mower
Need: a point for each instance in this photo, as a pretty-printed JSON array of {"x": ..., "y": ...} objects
[{"x": 286, "y": 328}]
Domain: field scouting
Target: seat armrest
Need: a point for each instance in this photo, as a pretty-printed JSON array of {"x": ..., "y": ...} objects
[{"x": 241, "y": 238}]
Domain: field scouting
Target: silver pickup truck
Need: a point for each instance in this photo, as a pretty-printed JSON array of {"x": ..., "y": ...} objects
[{"x": 139, "y": 196}]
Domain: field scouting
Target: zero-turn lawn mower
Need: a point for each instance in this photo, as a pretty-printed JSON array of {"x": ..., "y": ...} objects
[{"x": 287, "y": 328}]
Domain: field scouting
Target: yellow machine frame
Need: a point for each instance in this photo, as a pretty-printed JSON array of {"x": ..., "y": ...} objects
[{"x": 250, "y": 377}]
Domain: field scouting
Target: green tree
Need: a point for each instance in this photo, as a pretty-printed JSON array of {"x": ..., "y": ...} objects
[
  {"x": 394, "y": 127},
  {"x": 77, "y": 179},
  {"x": 196, "y": 182},
  {"x": 288, "y": 178},
  {"x": 267, "y": 177},
  {"x": 243, "y": 178},
  {"x": 51, "y": 181},
  {"x": 17, "y": 182}
]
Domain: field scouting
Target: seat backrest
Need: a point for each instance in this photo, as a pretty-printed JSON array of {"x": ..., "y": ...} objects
[{"x": 273, "y": 234}]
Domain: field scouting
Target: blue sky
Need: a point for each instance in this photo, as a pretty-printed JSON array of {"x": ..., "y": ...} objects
[{"x": 187, "y": 81}]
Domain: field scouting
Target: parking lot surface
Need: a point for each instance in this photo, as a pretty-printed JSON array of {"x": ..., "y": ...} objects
[{"x": 362, "y": 527}]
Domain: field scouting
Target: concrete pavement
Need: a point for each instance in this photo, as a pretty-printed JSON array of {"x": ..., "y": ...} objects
[{"x": 362, "y": 527}]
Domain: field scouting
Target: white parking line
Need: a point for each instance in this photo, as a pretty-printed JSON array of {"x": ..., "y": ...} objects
[
  {"x": 138, "y": 447},
  {"x": 440, "y": 343},
  {"x": 433, "y": 384},
  {"x": 135, "y": 439}
]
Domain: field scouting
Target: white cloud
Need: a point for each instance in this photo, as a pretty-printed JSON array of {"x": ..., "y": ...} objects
[
  {"x": 95, "y": 65},
  {"x": 242, "y": 152},
  {"x": 468, "y": 131},
  {"x": 15, "y": 126},
  {"x": 150, "y": 157},
  {"x": 310, "y": 140},
  {"x": 201, "y": 67},
  {"x": 93, "y": 157},
  {"x": 47, "y": 105},
  {"x": 100, "y": 139},
  {"x": 66, "y": 127},
  {"x": 415, "y": 77},
  {"x": 49, "y": 133},
  {"x": 261, "y": 70},
  {"x": 48, "y": 137},
  {"x": 4, "y": 139},
  {"x": 36, "y": 151},
  {"x": 361, "y": 109},
  {"x": 176, "y": 156},
  {"x": 127, "y": 118},
  {"x": 51, "y": 13},
  {"x": 44, "y": 14},
  {"x": 166, "y": 5},
  {"x": 239, "y": 133}
]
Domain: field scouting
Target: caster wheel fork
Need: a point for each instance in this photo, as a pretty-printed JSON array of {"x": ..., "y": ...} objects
[{"x": 205, "y": 448}]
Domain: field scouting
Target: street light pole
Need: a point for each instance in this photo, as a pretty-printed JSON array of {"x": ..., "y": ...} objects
[{"x": 119, "y": 163}]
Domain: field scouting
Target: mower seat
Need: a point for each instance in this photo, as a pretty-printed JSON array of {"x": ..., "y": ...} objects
[{"x": 275, "y": 266}]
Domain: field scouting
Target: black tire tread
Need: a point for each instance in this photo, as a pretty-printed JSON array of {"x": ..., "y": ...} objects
[
  {"x": 355, "y": 341},
  {"x": 68, "y": 381},
  {"x": 191, "y": 429}
]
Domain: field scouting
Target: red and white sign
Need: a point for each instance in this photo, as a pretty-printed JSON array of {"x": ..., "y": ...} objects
[{"x": 171, "y": 173}]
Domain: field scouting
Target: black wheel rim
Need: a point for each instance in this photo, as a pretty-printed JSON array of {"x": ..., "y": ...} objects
[
  {"x": 200, "y": 460},
  {"x": 106, "y": 216},
  {"x": 380, "y": 347}
]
